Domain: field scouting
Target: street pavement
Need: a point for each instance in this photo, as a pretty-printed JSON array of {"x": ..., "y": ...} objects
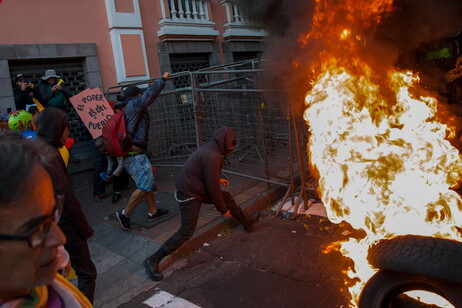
[
  {"x": 280, "y": 264},
  {"x": 118, "y": 254}
]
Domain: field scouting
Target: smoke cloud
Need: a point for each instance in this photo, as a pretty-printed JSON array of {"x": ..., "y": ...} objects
[{"x": 411, "y": 24}]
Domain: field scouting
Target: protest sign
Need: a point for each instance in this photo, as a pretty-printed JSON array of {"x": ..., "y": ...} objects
[{"x": 93, "y": 109}]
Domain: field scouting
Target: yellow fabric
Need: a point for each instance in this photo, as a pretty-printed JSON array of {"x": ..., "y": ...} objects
[
  {"x": 43, "y": 296},
  {"x": 64, "y": 154},
  {"x": 38, "y": 297},
  {"x": 72, "y": 274},
  {"x": 74, "y": 292},
  {"x": 39, "y": 106}
]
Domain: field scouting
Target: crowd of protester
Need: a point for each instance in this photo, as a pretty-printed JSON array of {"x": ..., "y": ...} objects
[
  {"x": 45, "y": 124},
  {"x": 42, "y": 225}
]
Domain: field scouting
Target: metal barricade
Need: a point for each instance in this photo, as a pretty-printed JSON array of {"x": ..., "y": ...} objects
[{"x": 182, "y": 119}]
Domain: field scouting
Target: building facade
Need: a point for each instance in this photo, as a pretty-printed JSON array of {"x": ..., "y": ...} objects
[
  {"x": 102, "y": 43},
  {"x": 106, "y": 43}
]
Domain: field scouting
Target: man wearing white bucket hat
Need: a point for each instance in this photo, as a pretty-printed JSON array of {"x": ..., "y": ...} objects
[{"x": 51, "y": 91}]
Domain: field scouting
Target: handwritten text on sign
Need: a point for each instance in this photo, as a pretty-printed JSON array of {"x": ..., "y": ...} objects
[{"x": 93, "y": 109}]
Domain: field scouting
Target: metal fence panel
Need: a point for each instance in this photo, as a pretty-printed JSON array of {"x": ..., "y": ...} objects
[{"x": 183, "y": 118}]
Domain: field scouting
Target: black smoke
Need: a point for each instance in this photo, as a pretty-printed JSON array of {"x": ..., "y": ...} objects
[{"x": 411, "y": 25}]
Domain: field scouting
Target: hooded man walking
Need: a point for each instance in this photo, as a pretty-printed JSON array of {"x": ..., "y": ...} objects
[{"x": 199, "y": 182}]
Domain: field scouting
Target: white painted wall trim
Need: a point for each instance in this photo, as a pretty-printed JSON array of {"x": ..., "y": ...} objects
[
  {"x": 168, "y": 27},
  {"x": 234, "y": 30},
  {"x": 118, "y": 55},
  {"x": 123, "y": 20}
]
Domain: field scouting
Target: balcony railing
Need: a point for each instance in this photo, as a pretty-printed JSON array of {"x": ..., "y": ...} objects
[
  {"x": 188, "y": 10},
  {"x": 186, "y": 18},
  {"x": 238, "y": 25},
  {"x": 238, "y": 15}
]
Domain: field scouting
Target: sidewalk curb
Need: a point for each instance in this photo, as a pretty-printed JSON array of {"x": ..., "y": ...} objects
[{"x": 211, "y": 230}]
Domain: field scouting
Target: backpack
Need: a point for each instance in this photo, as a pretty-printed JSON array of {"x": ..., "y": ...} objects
[{"x": 116, "y": 139}]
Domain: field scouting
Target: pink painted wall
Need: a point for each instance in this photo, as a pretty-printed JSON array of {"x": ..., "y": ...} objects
[
  {"x": 124, "y": 6},
  {"x": 59, "y": 22},
  {"x": 133, "y": 55},
  {"x": 85, "y": 21}
]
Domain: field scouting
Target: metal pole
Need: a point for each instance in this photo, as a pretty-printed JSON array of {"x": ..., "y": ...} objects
[
  {"x": 262, "y": 133},
  {"x": 257, "y": 178},
  {"x": 301, "y": 166},
  {"x": 291, "y": 155},
  {"x": 195, "y": 108}
]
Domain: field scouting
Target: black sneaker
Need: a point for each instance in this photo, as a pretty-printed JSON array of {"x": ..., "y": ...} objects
[
  {"x": 124, "y": 221},
  {"x": 160, "y": 213},
  {"x": 116, "y": 197}
]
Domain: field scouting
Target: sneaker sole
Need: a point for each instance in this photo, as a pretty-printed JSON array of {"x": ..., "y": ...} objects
[
  {"x": 120, "y": 222},
  {"x": 157, "y": 217}
]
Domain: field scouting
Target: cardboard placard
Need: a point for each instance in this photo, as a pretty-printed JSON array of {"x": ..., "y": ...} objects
[{"x": 93, "y": 109}]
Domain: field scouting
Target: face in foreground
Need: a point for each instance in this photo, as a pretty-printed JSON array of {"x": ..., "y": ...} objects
[{"x": 23, "y": 267}]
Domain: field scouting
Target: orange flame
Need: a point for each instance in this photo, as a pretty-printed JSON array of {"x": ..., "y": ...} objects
[{"x": 384, "y": 162}]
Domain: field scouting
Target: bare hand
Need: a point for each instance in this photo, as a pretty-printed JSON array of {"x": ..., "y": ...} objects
[
  {"x": 224, "y": 182},
  {"x": 227, "y": 214},
  {"x": 23, "y": 86},
  {"x": 30, "y": 85},
  {"x": 56, "y": 87},
  {"x": 166, "y": 75}
]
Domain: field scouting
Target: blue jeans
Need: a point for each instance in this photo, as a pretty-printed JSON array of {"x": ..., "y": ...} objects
[{"x": 140, "y": 169}]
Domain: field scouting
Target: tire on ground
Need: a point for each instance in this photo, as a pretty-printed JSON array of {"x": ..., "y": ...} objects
[
  {"x": 429, "y": 256},
  {"x": 385, "y": 289}
]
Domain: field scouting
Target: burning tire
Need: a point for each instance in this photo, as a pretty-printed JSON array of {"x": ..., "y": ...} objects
[
  {"x": 385, "y": 290},
  {"x": 432, "y": 257}
]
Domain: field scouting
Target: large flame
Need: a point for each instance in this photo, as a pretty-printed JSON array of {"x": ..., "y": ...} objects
[{"x": 384, "y": 163}]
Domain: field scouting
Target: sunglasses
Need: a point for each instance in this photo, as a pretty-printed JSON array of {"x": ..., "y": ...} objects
[{"x": 37, "y": 234}]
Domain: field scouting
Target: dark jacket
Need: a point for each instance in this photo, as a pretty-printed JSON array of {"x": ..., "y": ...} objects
[
  {"x": 50, "y": 128},
  {"x": 200, "y": 176},
  {"x": 140, "y": 104},
  {"x": 57, "y": 98},
  {"x": 23, "y": 98}
]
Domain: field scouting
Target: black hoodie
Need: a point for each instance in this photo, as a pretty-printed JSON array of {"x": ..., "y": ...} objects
[
  {"x": 200, "y": 176},
  {"x": 51, "y": 124}
]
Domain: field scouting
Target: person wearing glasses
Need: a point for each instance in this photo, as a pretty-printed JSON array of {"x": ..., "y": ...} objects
[
  {"x": 52, "y": 127},
  {"x": 29, "y": 231}
]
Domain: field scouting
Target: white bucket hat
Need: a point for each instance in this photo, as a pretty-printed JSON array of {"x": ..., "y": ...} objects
[{"x": 50, "y": 74}]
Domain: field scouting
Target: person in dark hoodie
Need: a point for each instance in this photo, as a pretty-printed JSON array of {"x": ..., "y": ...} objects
[
  {"x": 52, "y": 127},
  {"x": 199, "y": 182}
]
